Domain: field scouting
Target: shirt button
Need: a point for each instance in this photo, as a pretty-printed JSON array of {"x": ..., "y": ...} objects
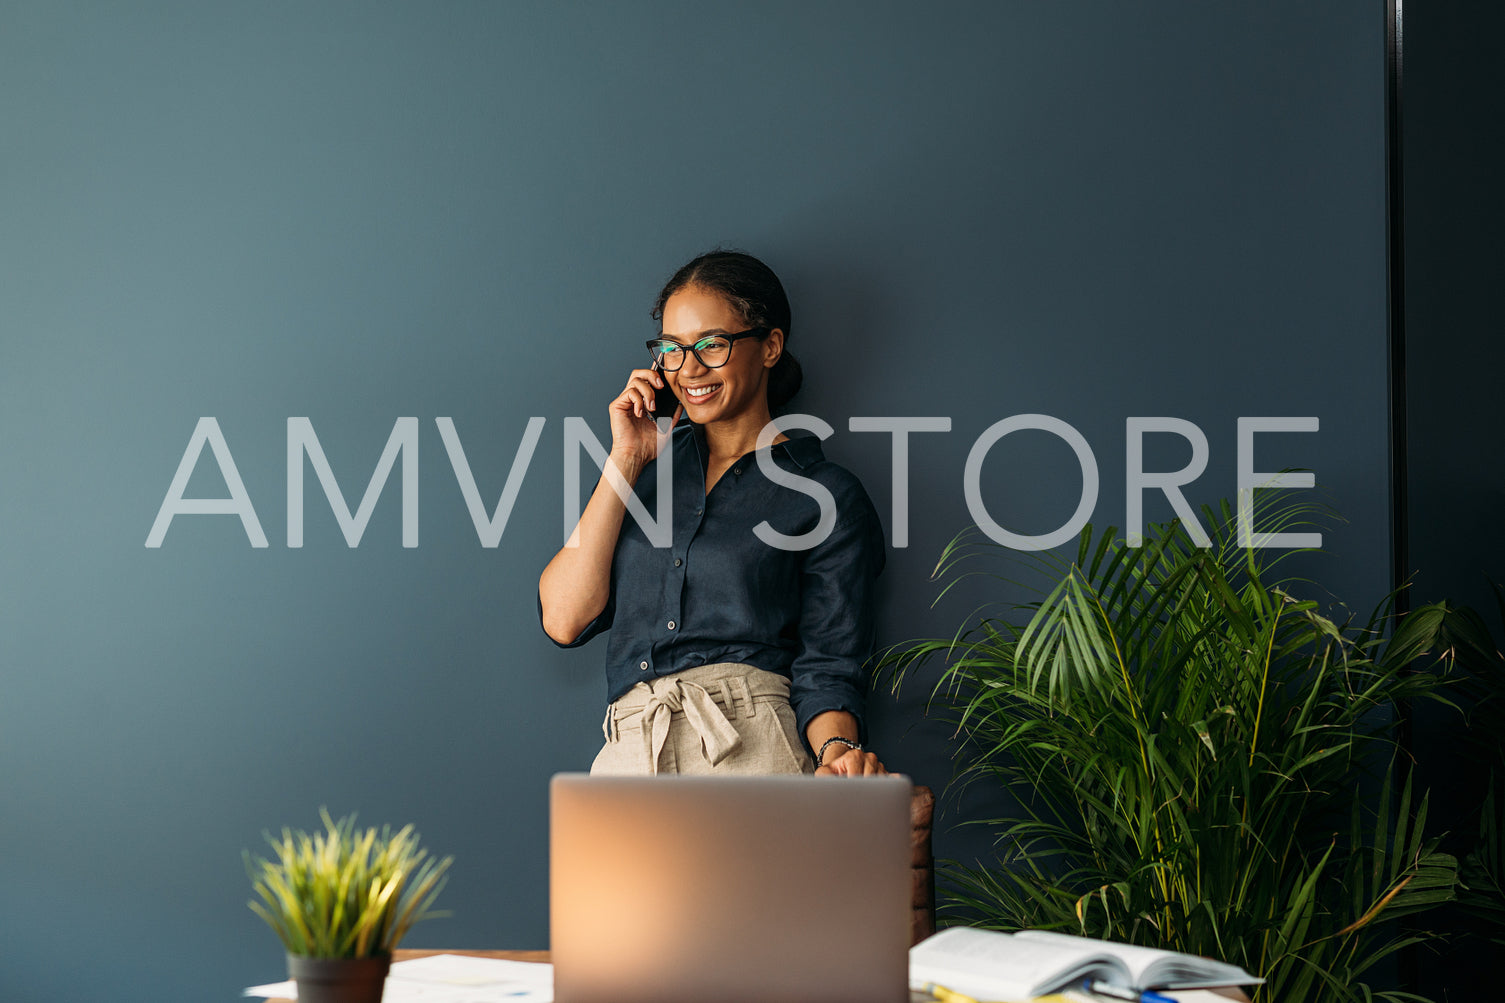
[
  {"x": 671, "y": 624},
  {"x": 643, "y": 666},
  {"x": 678, "y": 562},
  {"x": 698, "y": 511},
  {"x": 736, "y": 470}
]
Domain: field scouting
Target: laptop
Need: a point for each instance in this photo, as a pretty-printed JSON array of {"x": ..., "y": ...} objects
[{"x": 675, "y": 889}]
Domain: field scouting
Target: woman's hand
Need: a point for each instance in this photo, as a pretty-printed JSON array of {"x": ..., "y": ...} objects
[
  {"x": 851, "y": 763},
  {"x": 832, "y": 734},
  {"x": 634, "y": 432}
]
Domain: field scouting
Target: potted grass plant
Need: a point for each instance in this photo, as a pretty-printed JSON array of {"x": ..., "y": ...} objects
[
  {"x": 1201, "y": 759},
  {"x": 340, "y": 901}
]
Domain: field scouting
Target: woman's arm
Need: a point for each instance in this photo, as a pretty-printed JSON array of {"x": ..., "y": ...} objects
[
  {"x": 836, "y": 628},
  {"x": 840, "y": 760},
  {"x": 574, "y": 587}
]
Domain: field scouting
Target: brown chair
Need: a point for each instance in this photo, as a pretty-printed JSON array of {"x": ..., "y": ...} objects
[{"x": 921, "y": 864}]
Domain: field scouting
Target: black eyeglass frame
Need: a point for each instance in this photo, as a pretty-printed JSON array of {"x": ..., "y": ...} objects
[{"x": 752, "y": 332}]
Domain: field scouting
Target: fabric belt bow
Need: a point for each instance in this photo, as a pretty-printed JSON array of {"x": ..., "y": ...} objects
[{"x": 718, "y": 739}]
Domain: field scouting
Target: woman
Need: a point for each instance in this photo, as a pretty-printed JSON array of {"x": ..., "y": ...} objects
[{"x": 727, "y": 654}]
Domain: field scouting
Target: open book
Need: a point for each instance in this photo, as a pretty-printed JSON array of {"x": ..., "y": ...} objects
[{"x": 988, "y": 965}]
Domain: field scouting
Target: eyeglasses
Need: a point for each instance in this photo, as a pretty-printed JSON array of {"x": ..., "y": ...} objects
[{"x": 713, "y": 352}]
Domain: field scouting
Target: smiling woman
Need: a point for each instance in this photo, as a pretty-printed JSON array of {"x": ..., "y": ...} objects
[{"x": 729, "y": 654}]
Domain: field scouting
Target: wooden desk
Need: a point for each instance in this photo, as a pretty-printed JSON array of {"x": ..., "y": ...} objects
[{"x": 402, "y": 954}]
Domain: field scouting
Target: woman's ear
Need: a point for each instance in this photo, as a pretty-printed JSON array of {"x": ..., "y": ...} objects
[{"x": 773, "y": 347}]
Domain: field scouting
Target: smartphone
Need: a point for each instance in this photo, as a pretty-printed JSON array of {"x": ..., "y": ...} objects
[{"x": 664, "y": 400}]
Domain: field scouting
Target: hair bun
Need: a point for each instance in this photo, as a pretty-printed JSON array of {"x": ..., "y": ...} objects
[{"x": 784, "y": 380}]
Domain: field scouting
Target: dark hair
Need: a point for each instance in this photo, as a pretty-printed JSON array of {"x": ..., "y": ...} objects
[{"x": 756, "y": 294}]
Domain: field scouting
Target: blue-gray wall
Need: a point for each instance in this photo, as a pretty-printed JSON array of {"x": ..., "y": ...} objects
[{"x": 358, "y": 212}]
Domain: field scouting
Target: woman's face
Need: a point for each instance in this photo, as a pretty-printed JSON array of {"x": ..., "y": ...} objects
[{"x": 731, "y": 391}]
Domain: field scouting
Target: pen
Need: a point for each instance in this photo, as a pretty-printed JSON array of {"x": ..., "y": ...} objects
[{"x": 1100, "y": 988}]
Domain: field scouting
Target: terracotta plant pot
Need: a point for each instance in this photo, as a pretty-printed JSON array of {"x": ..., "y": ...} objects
[{"x": 339, "y": 980}]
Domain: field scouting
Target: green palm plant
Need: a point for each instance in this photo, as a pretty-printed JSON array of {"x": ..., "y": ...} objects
[
  {"x": 342, "y": 893},
  {"x": 1189, "y": 745}
]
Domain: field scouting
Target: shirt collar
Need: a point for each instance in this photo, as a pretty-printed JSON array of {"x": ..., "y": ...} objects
[
  {"x": 801, "y": 447},
  {"x": 804, "y": 449}
]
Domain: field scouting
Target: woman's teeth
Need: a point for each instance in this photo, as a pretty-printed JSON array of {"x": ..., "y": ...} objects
[{"x": 697, "y": 392}]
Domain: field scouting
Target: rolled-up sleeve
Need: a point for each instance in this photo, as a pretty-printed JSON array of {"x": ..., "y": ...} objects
[
  {"x": 601, "y": 623},
  {"x": 836, "y": 621}
]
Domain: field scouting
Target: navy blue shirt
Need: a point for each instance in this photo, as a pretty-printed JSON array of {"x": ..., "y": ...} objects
[{"x": 721, "y": 594}]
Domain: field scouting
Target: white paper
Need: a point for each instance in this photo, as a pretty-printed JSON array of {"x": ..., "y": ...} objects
[
  {"x": 453, "y": 978},
  {"x": 284, "y": 990}
]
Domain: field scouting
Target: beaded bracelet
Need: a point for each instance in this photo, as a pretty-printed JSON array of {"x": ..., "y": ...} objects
[{"x": 821, "y": 755}]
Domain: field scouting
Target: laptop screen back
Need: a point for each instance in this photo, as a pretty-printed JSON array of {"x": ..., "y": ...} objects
[{"x": 755, "y": 889}]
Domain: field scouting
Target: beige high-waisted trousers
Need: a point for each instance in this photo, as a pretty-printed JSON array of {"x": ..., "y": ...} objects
[{"x": 722, "y": 718}]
